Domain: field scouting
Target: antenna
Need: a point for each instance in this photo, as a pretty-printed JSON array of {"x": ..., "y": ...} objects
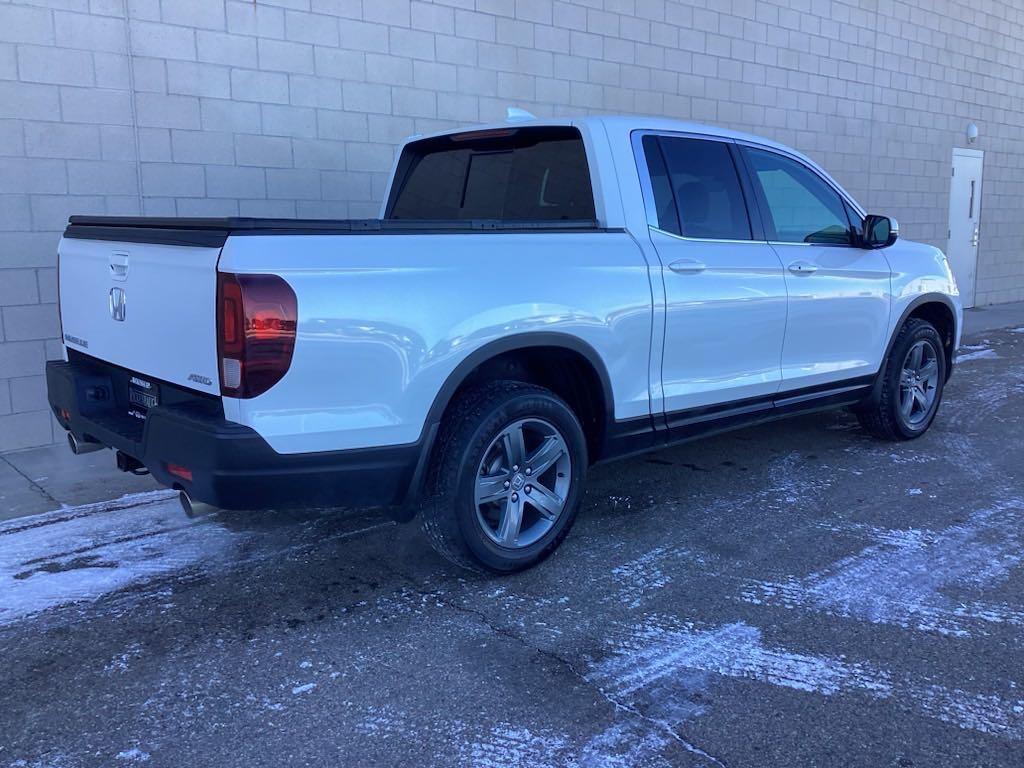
[{"x": 516, "y": 115}]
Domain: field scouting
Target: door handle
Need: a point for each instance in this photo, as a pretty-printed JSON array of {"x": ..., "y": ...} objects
[
  {"x": 687, "y": 266},
  {"x": 803, "y": 268},
  {"x": 976, "y": 236}
]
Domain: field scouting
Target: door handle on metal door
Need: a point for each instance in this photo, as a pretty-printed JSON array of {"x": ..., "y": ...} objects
[
  {"x": 803, "y": 268},
  {"x": 975, "y": 236},
  {"x": 687, "y": 266}
]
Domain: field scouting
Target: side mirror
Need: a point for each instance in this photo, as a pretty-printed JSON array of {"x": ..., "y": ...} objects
[{"x": 879, "y": 232}]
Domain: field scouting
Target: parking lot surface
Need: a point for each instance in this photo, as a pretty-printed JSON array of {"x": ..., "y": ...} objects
[{"x": 795, "y": 594}]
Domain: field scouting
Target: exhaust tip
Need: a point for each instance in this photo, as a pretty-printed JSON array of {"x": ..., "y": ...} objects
[
  {"x": 193, "y": 508},
  {"x": 78, "y": 447}
]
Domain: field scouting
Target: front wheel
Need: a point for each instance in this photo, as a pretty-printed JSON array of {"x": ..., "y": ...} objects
[
  {"x": 507, "y": 479},
  {"x": 912, "y": 385}
]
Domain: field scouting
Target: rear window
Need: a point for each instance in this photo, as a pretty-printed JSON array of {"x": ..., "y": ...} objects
[{"x": 515, "y": 174}]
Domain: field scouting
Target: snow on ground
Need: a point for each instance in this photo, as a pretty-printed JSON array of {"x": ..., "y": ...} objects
[
  {"x": 79, "y": 554},
  {"x": 980, "y": 354},
  {"x": 663, "y": 667},
  {"x": 900, "y": 579}
]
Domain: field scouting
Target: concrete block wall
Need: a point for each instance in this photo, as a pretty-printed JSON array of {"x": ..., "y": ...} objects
[{"x": 294, "y": 107}]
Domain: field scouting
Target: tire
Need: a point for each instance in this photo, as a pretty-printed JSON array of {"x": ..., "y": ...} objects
[
  {"x": 471, "y": 461},
  {"x": 886, "y": 416}
]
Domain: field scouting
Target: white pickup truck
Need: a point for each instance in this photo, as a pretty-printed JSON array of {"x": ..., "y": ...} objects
[{"x": 537, "y": 297}]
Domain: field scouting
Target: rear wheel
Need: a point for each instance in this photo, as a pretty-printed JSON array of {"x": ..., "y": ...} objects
[
  {"x": 913, "y": 381},
  {"x": 507, "y": 478}
]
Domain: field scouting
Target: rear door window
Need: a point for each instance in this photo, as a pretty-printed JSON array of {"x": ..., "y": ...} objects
[
  {"x": 801, "y": 206},
  {"x": 515, "y": 174},
  {"x": 696, "y": 188}
]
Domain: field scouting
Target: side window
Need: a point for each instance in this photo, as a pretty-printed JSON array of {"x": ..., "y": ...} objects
[
  {"x": 800, "y": 206},
  {"x": 708, "y": 197},
  {"x": 664, "y": 200}
]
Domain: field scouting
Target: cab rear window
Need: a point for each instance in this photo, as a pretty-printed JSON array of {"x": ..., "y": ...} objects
[{"x": 514, "y": 174}]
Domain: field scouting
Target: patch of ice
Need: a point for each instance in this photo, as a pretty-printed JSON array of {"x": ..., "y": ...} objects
[
  {"x": 511, "y": 746},
  {"x": 79, "y": 554},
  {"x": 645, "y": 574},
  {"x": 300, "y": 689},
  {"x": 982, "y": 354},
  {"x": 133, "y": 755},
  {"x": 899, "y": 580},
  {"x": 654, "y": 654}
]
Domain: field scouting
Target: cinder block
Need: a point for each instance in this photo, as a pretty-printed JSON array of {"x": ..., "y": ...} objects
[
  {"x": 236, "y": 182},
  {"x": 33, "y": 176},
  {"x": 312, "y": 91},
  {"x": 221, "y": 48},
  {"x": 392, "y": 12},
  {"x": 24, "y": 24},
  {"x": 477, "y": 26},
  {"x": 17, "y": 286},
  {"x": 155, "y": 110},
  {"x": 384, "y": 68},
  {"x": 104, "y": 177},
  {"x": 414, "y": 102},
  {"x": 338, "y": 185},
  {"x": 193, "y": 79},
  {"x": 202, "y": 147},
  {"x": 92, "y": 105},
  {"x": 89, "y": 32},
  {"x": 319, "y": 154},
  {"x": 435, "y": 76},
  {"x": 28, "y": 393},
  {"x": 194, "y": 13},
  {"x": 250, "y": 85},
  {"x": 281, "y": 56},
  {"x": 361, "y": 36},
  {"x": 455, "y": 50},
  {"x": 162, "y": 40},
  {"x": 65, "y": 140},
  {"x": 370, "y": 157},
  {"x": 21, "y": 358},
  {"x": 339, "y": 63},
  {"x": 265, "y": 151},
  {"x": 172, "y": 180},
  {"x": 302, "y": 27},
  {"x": 412, "y": 43},
  {"x": 29, "y": 101},
  {"x": 111, "y": 70},
  {"x": 229, "y": 116},
  {"x": 293, "y": 183},
  {"x": 349, "y": 126},
  {"x": 117, "y": 143},
  {"x": 366, "y": 97},
  {"x": 30, "y": 322},
  {"x": 289, "y": 121},
  {"x": 433, "y": 18},
  {"x": 249, "y": 18},
  {"x": 539, "y": 11}
]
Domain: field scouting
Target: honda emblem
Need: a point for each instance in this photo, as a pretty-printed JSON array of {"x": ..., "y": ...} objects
[{"x": 117, "y": 304}]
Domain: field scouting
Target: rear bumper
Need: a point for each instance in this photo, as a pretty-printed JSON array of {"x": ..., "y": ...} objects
[{"x": 231, "y": 466}]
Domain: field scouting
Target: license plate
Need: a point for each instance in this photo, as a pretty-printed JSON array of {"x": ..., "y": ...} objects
[{"x": 142, "y": 395}]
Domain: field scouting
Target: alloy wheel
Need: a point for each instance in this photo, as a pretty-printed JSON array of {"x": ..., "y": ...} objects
[
  {"x": 919, "y": 382},
  {"x": 522, "y": 483}
]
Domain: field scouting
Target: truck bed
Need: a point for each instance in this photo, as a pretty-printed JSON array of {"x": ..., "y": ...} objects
[{"x": 212, "y": 232}]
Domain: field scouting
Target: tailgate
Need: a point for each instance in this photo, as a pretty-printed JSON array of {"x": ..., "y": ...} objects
[{"x": 149, "y": 307}]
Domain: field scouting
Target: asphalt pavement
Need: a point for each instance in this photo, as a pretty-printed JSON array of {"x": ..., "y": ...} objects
[{"x": 797, "y": 594}]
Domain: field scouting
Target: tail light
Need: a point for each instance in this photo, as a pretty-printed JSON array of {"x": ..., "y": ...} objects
[{"x": 256, "y": 321}]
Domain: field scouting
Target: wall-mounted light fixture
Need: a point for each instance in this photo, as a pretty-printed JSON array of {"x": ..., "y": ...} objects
[{"x": 972, "y": 133}]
